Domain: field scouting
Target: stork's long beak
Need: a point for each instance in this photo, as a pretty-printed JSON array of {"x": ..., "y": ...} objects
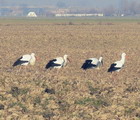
[
  {"x": 127, "y": 57},
  {"x": 68, "y": 59},
  {"x": 102, "y": 62},
  {"x": 36, "y": 58}
]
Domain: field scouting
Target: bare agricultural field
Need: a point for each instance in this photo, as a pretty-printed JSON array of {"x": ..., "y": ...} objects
[{"x": 71, "y": 93}]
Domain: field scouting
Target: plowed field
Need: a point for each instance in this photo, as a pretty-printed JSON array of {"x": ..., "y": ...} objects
[{"x": 33, "y": 93}]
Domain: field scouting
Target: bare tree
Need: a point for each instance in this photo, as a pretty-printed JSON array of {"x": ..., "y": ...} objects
[
  {"x": 134, "y": 7},
  {"x": 109, "y": 11},
  {"x": 130, "y": 7}
]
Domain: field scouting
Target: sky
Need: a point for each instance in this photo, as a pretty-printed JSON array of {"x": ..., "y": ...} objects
[{"x": 68, "y": 3}]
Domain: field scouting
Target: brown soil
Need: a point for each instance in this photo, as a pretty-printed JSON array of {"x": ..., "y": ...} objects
[{"x": 74, "y": 94}]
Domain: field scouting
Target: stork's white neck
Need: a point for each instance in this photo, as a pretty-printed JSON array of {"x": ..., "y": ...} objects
[
  {"x": 65, "y": 60},
  {"x": 65, "y": 57},
  {"x": 33, "y": 59},
  {"x": 100, "y": 59},
  {"x": 123, "y": 58}
]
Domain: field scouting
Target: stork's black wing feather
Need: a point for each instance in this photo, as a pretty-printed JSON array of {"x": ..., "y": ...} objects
[
  {"x": 19, "y": 62},
  {"x": 51, "y": 64},
  {"x": 88, "y": 64},
  {"x": 113, "y": 68}
]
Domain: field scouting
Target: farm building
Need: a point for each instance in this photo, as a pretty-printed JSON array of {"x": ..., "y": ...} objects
[
  {"x": 31, "y": 14},
  {"x": 79, "y": 15}
]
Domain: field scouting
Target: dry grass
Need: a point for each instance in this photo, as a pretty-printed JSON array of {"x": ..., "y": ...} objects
[{"x": 72, "y": 94}]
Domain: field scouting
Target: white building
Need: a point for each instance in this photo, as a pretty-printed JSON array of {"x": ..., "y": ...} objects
[
  {"x": 79, "y": 15},
  {"x": 31, "y": 14}
]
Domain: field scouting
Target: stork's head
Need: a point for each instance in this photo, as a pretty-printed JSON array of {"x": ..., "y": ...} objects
[
  {"x": 123, "y": 55},
  {"x": 66, "y": 57},
  {"x": 32, "y": 54}
]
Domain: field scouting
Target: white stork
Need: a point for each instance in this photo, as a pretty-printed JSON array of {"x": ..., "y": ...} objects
[
  {"x": 58, "y": 62},
  {"x": 92, "y": 63},
  {"x": 25, "y": 60},
  {"x": 116, "y": 66}
]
